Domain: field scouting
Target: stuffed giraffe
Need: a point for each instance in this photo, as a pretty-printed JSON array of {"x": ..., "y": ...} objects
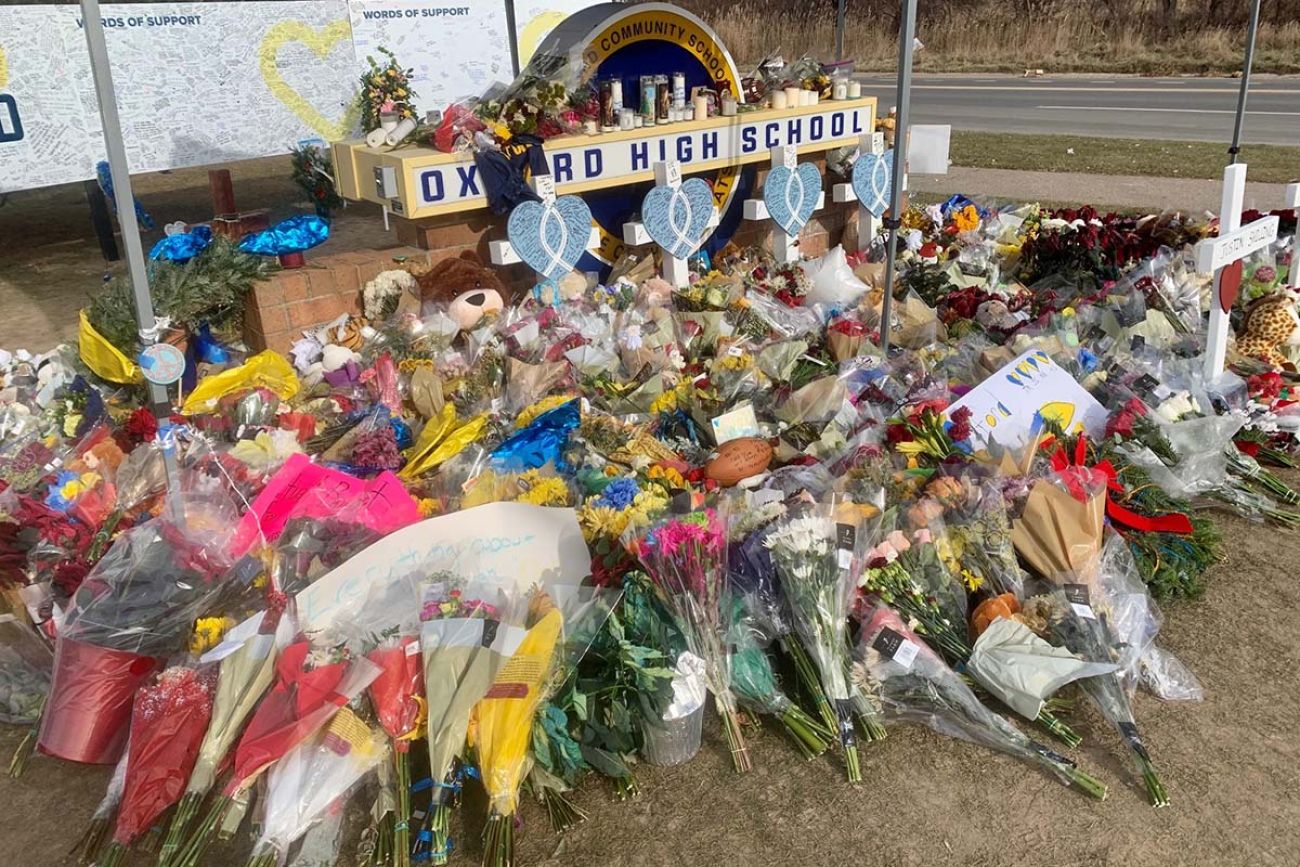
[{"x": 1270, "y": 322}]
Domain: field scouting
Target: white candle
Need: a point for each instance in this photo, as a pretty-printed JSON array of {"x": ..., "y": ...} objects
[
  {"x": 701, "y": 103},
  {"x": 813, "y": 97},
  {"x": 637, "y": 121},
  {"x": 400, "y": 132},
  {"x": 841, "y": 89},
  {"x": 728, "y": 105},
  {"x": 792, "y": 97},
  {"x": 855, "y": 90},
  {"x": 625, "y": 118},
  {"x": 779, "y": 99},
  {"x": 591, "y": 127}
]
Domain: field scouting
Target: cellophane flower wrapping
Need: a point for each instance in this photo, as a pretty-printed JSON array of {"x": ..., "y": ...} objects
[
  {"x": 913, "y": 684},
  {"x": 167, "y": 725},
  {"x": 686, "y": 558},
  {"x": 505, "y": 714},
  {"x": 25, "y": 662},
  {"x": 303, "y": 784},
  {"x": 309, "y": 690}
]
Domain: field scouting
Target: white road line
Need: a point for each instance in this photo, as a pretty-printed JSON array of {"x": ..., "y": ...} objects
[
  {"x": 1171, "y": 110},
  {"x": 1098, "y": 89}
]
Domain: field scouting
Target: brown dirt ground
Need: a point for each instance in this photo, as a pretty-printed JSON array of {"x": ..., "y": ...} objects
[{"x": 1229, "y": 763}]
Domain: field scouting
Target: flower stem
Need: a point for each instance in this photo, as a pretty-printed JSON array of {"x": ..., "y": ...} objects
[
  {"x": 1087, "y": 783},
  {"x": 561, "y": 811},
  {"x": 402, "y": 823},
  {"x": 112, "y": 856},
  {"x": 626, "y": 788},
  {"x": 192, "y": 853},
  {"x": 91, "y": 841},
  {"x": 440, "y": 823},
  {"x": 811, "y": 683},
  {"x": 845, "y": 727},
  {"x": 23, "y": 752},
  {"x": 185, "y": 810},
  {"x": 1155, "y": 789},
  {"x": 1056, "y": 727},
  {"x": 499, "y": 841},
  {"x": 805, "y": 731},
  {"x": 736, "y": 741}
]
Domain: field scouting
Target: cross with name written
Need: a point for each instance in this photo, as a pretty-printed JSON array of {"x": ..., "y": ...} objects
[{"x": 1223, "y": 256}]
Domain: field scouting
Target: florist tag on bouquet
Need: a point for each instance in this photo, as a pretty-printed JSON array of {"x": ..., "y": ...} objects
[
  {"x": 893, "y": 645},
  {"x": 1077, "y": 595},
  {"x": 845, "y": 538}
]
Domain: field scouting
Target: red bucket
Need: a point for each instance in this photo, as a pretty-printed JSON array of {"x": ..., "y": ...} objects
[{"x": 88, "y": 714}]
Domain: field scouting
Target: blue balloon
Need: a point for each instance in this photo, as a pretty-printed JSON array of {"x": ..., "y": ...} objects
[
  {"x": 290, "y": 236},
  {"x": 182, "y": 248},
  {"x": 540, "y": 443},
  {"x": 207, "y": 348}
]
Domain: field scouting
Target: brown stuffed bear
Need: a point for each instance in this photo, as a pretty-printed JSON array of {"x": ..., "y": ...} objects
[{"x": 470, "y": 289}]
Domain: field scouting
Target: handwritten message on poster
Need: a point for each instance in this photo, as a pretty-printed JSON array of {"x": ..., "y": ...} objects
[{"x": 1009, "y": 407}]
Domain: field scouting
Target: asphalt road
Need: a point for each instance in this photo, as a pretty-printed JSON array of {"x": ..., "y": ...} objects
[{"x": 1115, "y": 107}]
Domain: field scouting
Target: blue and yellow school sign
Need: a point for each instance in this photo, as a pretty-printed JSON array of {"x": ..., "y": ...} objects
[{"x": 611, "y": 170}]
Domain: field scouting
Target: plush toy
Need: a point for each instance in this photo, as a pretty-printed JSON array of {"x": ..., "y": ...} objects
[
  {"x": 1270, "y": 322},
  {"x": 468, "y": 288}
]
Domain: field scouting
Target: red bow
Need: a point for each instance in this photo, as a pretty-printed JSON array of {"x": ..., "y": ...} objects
[{"x": 1174, "y": 522}]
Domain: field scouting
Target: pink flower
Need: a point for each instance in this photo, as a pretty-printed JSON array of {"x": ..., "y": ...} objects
[
  {"x": 923, "y": 537},
  {"x": 898, "y": 541},
  {"x": 881, "y": 555}
]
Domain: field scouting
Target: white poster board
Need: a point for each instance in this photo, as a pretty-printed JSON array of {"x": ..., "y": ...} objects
[
  {"x": 42, "y": 124},
  {"x": 535, "y": 19},
  {"x": 456, "y": 49},
  {"x": 1008, "y": 408}
]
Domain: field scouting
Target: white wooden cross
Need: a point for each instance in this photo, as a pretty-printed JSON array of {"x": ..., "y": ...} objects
[
  {"x": 667, "y": 174},
  {"x": 1222, "y": 256},
  {"x": 502, "y": 252},
  {"x": 785, "y": 248},
  {"x": 1293, "y": 202},
  {"x": 868, "y": 223}
]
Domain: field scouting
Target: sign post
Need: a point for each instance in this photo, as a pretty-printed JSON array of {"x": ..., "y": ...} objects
[
  {"x": 121, "y": 173},
  {"x": 906, "y": 37},
  {"x": 1293, "y": 202},
  {"x": 1223, "y": 255}
]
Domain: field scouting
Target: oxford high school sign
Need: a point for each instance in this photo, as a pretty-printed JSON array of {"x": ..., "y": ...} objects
[{"x": 422, "y": 182}]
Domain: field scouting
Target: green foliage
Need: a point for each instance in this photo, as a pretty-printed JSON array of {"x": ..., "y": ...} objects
[
  {"x": 929, "y": 282},
  {"x": 313, "y": 172},
  {"x": 209, "y": 288}
]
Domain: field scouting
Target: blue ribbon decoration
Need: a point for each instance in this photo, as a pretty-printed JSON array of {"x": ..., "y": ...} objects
[
  {"x": 207, "y": 348},
  {"x": 105, "y": 178},
  {"x": 288, "y": 236},
  {"x": 182, "y": 247}
]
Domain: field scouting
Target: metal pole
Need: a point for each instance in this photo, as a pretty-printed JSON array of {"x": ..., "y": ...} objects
[
  {"x": 841, "y": 9},
  {"x": 113, "y": 143},
  {"x": 903, "y": 99},
  {"x": 1245, "y": 85}
]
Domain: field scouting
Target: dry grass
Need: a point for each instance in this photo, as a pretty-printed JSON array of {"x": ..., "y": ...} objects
[
  {"x": 1117, "y": 156},
  {"x": 1072, "y": 39}
]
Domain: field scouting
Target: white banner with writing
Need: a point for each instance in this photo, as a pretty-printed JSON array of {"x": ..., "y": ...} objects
[{"x": 204, "y": 83}]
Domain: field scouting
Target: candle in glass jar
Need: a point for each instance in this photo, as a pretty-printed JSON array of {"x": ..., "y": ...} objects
[
  {"x": 793, "y": 97},
  {"x": 590, "y": 127},
  {"x": 841, "y": 90},
  {"x": 779, "y": 99},
  {"x": 813, "y": 97},
  {"x": 625, "y": 116},
  {"x": 701, "y": 104},
  {"x": 855, "y": 90},
  {"x": 728, "y": 105}
]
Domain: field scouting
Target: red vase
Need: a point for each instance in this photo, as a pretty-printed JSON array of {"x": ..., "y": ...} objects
[{"x": 88, "y": 714}]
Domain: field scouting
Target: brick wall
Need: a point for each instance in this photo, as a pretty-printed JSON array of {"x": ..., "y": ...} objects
[{"x": 280, "y": 308}]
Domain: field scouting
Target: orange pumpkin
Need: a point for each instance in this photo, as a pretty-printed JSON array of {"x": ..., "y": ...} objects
[{"x": 1006, "y": 605}]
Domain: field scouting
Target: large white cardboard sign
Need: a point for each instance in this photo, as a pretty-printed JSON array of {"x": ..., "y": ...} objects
[{"x": 1009, "y": 407}]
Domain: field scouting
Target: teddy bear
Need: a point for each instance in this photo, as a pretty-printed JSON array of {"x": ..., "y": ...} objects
[
  {"x": 470, "y": 289},
  {"x": 1270, "y": 322}
]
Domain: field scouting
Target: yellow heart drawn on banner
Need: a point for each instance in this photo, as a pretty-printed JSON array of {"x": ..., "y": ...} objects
[
  {"x": 4, "y": 69},
  {"x": 321, "y": 42}
]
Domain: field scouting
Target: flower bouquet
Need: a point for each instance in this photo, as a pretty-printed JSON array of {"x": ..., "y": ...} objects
[
  {"x": 813, "y": 554},
  {"x": 685, "y": 557},
  {"x": 310, "y": 687},
  {"x": 167, "y": 724},
  {"x": 306, "y": 782},
  {"x": 242, "y": 678},
  {"x": 1059, "y": 534},
  {"x": 134, "y": 609},
  {"x": 467, "y": 631},
  {"x": 914, "y": 685},
  {"x": 504, "y": 720}
]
